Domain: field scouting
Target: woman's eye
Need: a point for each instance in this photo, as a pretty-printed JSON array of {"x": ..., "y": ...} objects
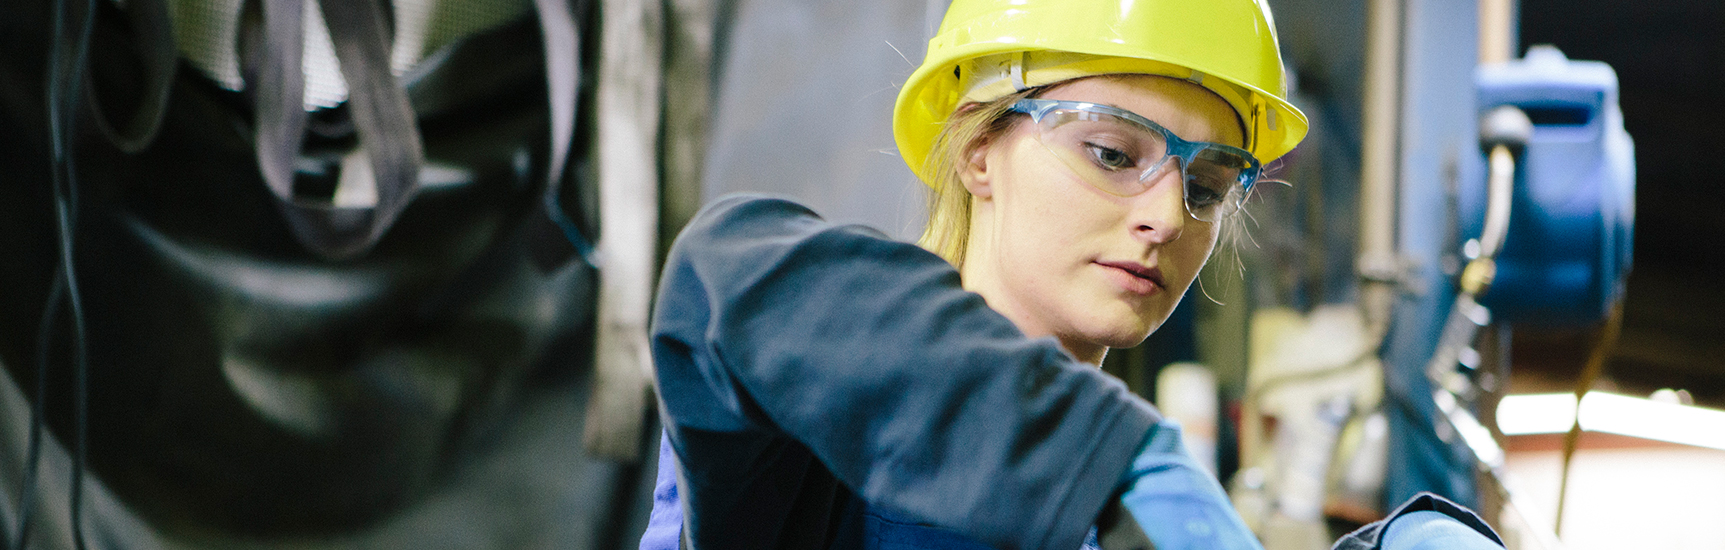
[
  {"x": 1201, "y": 192},
  {"x": 1110, "y": 158}
]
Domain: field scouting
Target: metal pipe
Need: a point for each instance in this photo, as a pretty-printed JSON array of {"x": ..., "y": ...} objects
[
  {"x": 1496, "y": 33},
  {"x": 1500, "y": 190},
  {"x": 1380, "y": 144}
]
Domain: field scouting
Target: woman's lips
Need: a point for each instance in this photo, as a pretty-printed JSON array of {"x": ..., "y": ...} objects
[{"x": 1134, "y": 277}]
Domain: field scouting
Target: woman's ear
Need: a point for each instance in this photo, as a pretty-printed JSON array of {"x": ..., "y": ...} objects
[{"x": 974, "y": 173}]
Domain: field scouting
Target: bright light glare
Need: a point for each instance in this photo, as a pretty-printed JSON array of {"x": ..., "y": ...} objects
[
  {"x": 1623, "y": 415},
  {"x": 1614, "y": 414},
  {"x": 1547, "y": 413}
]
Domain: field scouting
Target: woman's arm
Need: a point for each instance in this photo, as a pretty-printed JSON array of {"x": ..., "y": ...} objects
[{"x": 775, "y": 329}]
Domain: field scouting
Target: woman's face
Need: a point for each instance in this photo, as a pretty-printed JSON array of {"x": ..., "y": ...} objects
[{"x": 1060, "y": 257}]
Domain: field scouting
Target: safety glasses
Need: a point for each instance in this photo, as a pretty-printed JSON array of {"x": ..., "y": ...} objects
[{"x": 1121, "y": 153}]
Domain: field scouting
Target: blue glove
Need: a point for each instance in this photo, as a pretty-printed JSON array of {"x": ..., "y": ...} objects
[{"x": 1176, "y": 503}]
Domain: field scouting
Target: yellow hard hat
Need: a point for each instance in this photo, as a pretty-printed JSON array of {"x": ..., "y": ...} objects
[{"x": 986, "y": 49}]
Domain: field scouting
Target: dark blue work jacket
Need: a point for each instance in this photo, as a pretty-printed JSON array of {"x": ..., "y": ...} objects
[
  {"x": 820, "y": 383},
  {"x": 862, "y": 527}
]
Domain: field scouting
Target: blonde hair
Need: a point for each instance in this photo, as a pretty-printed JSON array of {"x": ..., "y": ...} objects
[{"x": 949, "y": 206}]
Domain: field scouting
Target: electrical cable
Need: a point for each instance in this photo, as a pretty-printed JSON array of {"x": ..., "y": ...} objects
[
  {"x": 68, "y": 62},
  {"x": 38, "y": 413},
  {"x": 68, "y": 74},
  {"x": 1596, "y": 360}
]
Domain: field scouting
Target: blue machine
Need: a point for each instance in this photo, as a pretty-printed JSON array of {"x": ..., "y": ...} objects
[
  {"x": 1568, "y": 246},
  {"x": 1570, "y": 237}
]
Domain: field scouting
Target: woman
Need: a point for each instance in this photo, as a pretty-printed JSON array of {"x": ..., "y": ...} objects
[{"x": 825, "y": 387}]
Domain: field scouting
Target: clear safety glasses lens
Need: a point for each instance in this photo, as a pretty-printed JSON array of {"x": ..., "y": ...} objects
[{"x": 1123, "y": 154}]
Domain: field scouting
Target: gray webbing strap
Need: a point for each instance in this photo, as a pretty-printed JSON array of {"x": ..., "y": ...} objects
[
  {"x": 381, "y": 115},
  {"x": 562, "y": 78},
  {"x": 279, "y": 84},
  {"x": 153, "y": 36}
]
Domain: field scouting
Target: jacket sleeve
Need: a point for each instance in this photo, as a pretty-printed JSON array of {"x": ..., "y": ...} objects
[
  {"x": 1424, "y": 521},
  {"x": 775, "y": 324}
]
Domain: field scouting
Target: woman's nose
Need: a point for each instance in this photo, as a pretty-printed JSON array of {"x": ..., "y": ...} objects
[{"x": 1158, "y": 215}]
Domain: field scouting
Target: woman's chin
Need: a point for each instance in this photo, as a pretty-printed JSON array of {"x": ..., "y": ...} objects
[
  {"x": 1118, "y": 333},
  {"x": 1120, "y": 341}
]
